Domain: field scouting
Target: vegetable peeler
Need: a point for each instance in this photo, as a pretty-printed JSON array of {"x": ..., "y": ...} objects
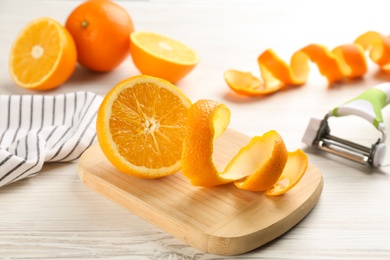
[{"x": 368, "y": 106}]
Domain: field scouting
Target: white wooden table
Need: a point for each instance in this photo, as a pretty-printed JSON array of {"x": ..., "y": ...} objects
[{"x": 54, "y": 216}]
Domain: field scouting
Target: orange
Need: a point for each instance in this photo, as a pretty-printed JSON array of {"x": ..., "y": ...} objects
[
  {"x": 101, "y": 30},
  {"x": 160, "y": 56},
  {"x": 141, "y": 126},
  {"x": 258, "y": 166},
  {"x": 43, "y": 56}
]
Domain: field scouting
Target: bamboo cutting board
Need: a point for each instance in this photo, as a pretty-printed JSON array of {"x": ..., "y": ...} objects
[{"x": 219, "y": 220}]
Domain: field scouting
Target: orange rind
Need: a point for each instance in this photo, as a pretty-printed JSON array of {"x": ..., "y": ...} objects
[
  {"x": 258, "y": 166},
  {"x": 247, "y": 84},
  {"x": 261, "y": 162},
  {"x": 344, "y": 62},
  {"x": 293, "y": 172},
  {"x": 206, "y": 121}
]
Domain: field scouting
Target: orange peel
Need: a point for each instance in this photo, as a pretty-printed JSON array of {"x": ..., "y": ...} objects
[
  {"x": 345, "y": 62},
  {"x": 258, "y": 166},
  {"x": 293, "y": 172}
]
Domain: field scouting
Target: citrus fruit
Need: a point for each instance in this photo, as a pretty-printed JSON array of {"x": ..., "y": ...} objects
[
  {"x": 160, "y": 56},
  {"x": 141, "y": 126},
  {"x": 43, "y": 56},
  {"x": 101, "y": 30}
]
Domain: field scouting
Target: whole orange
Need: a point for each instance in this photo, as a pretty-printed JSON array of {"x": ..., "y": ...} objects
[{"x": 101, "y": 31}]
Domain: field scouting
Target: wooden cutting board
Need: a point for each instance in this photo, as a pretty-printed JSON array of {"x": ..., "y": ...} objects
[{"x": 219, "y": 220}]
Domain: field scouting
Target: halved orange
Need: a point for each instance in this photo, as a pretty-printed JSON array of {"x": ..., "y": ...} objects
[
  {"x": 141, "y": 126},
  {"x": 160, "y": 56},
  {"x": 43, "y": 55}
]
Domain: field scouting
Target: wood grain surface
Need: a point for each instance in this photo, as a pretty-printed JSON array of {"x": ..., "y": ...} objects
[{"x": 220, "y": 220}]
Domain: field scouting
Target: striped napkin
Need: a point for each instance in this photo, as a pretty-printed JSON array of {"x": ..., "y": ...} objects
[{"x": 41, "y": 128}]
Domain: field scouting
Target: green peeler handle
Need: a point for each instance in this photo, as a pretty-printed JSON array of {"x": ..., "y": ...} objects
[{"x": 368, "y": 105}]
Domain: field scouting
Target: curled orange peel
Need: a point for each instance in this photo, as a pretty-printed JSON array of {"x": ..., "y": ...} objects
[
  {"x": 293, "y": 172},
  {"x": 259, "y": 166},
  {"x": 344, "y": 62}
]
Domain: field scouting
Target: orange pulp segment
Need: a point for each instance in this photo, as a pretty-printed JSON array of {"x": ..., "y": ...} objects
[
  {"x": 160, "y": 56},
  {"x": 141, "y": 126},
  {"x": 256, "y": 167},
  {"x": 43, "y": 55}
]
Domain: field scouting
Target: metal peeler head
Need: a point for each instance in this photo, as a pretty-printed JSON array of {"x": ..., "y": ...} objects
[
  {"x": 368, "y": 105},
  {"x": 318, "y": 134}
]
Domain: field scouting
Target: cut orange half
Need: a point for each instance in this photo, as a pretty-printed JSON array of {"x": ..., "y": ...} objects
[
  {"x": 141, "y": 126},
  {"x": 43, "y": 55},
  {"x": 160, "y": 56}
]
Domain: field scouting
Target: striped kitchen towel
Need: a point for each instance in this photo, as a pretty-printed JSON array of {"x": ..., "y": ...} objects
[{"x": 41, "y": 128}]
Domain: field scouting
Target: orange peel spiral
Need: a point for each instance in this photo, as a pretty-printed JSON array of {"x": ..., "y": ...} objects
[
  {"x": 261, "y": 165},
  {"x": 344, "y": 62}
]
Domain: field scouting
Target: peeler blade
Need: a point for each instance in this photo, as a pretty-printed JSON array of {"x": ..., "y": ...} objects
[{"x": 368, "y": 105}]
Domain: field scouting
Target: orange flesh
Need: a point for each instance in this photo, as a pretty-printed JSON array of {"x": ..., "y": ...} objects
[
  {"x": 166, "y": 48},
  {"x": 43, "y": 55},
  {"x": 136, "y": 125},
  {"x": 160, "y": 56},
  {"x": 36, "y": 52},
  {"x": 141, "y": 125}
]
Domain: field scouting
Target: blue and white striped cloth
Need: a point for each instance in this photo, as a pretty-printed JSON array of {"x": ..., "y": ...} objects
[{"x": 41, "y": 128}]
